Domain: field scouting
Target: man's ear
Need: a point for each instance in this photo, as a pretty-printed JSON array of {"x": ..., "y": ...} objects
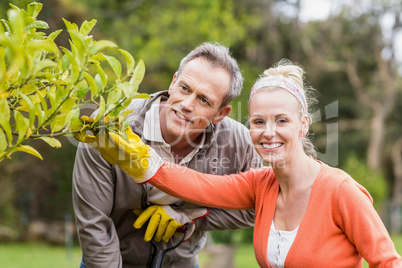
[
  {"x": 173, "y": 82},
  {"x": 223, "y": 112}
]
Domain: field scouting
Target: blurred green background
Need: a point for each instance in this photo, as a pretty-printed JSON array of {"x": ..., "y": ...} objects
[{"x": 352, "y": 53}]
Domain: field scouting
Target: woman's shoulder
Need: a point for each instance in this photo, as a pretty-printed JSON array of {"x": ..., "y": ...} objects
[{"x": 340, "y": 182}]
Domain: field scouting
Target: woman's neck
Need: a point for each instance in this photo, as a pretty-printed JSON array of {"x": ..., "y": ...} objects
[{"x": 297, "y": 175}]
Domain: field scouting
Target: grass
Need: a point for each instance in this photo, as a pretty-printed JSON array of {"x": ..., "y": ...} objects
[
  {"x": 36, "y": 255},
  {"x": 244, "y": 256}
]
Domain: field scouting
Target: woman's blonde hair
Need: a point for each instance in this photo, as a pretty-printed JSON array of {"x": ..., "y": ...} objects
[{"x": 295, "y": 73}]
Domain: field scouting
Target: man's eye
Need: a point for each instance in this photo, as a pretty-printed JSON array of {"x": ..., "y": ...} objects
[
  {"x": 204, "y": 100},
  {"x": 184, "y": 88}
]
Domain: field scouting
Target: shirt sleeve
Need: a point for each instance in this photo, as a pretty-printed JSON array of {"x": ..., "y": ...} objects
[
  {"x": 93, "y": 195},
  {"x": 233, "y": 191},
  {"x": 363, "y": 226},
  {"x": 228, "y": 219}
]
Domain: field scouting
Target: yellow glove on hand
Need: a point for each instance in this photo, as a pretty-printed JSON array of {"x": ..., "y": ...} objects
[
  {"x": 164, "y": 221},
  {"x": 134, "y": 157}
]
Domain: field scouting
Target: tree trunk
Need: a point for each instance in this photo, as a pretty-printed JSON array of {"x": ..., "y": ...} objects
[
  {"x": 376, "y": 143},
  {"x": 396, "y": 201}
]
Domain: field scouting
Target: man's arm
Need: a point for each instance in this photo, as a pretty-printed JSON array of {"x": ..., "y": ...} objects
[{"x": 93, "y": 195}]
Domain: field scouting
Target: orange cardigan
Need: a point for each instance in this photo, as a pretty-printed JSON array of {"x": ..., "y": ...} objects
[{"x": 340, "y": 225}]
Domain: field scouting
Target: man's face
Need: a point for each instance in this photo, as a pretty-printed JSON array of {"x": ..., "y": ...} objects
[{"x": 195, "y": 99}]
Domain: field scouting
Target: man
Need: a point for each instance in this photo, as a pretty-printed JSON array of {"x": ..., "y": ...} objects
[{"x": 186, "y": 125}]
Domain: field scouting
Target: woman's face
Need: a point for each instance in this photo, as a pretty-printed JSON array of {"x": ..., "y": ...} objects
[{"x": 276, "y": 127}]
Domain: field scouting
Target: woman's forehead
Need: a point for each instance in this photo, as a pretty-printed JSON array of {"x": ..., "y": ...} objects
[{"x": 273, "y": 96}]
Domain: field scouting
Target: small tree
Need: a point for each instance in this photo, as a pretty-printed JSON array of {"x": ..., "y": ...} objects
[{"x": 43, "y": 86}]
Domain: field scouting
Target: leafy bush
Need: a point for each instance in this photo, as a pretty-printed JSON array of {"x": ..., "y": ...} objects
[
  {"x": 42, "y": 86},
  {"x": 373, "y": 181}
]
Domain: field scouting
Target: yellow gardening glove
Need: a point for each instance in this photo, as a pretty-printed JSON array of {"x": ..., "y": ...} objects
[
  {"x": 129, "y": 153},
  {"x": 164, "y": 221}
]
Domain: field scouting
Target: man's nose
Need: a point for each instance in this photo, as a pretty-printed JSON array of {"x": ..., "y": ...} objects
[{"x": 188, "y": 102}]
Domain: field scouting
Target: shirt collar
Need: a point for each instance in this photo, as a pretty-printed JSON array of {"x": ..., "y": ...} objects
[{"x": 152, "y": 126}]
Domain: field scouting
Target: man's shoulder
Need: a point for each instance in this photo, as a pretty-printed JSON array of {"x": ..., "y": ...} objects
[
  {"x": 230, "y": 131},
  {"x": 137, "y": 104}
]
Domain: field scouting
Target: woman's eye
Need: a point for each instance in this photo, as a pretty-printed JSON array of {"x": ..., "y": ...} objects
[
  {"x": 258, "y": 122},
  {"x": 281, "y": 120}
]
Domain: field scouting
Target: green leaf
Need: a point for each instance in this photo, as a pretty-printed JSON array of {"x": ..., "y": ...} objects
[
  {"x": 54, "y": 34},
  {"x": 55, "y": 143},
  {"x": 100, "y": 45},
  {"x": 102, "y": 76},
  {"x": 40, "y": 114},
  {"x": 38, "y": 25},
  {"x": 129, "y": 59},
  {"x": 92, "y": 84},
  {"x": 65, "y": 62},
  {"x": 28, "y": 88},
  {"x": 87, "y": 26},
  {"x": 14, "y": 7},
  {"x": 125, "y": 125},
  {"x": 138, "y": 75},
  {"x": 3, "y": 141},
  {"x": 45, "y": 63},
  {"x": 70, "y": 26},
  {"x": 76, "y": 124},
  {"x": 5, "y": 118},
  {"x": 40, "y": 45},
  {"x": 141, "y": 96},
  {"x": 116, "y": 111},
  {"x": 2, "y": 64},
  {"x": 67, "y": 105},
  {"x": 58, "y": 123},
  {"x": 82, "y": 91},
  {"x": 31, "y": 107},
  {"x": 126, "y": 89},
  {"x": 21, "y": 125},
  {"x": 78, "y": 42},
  {"x": 114, "y": 96},
  {"x": 27, "y": 149},
  {"x": 101, "y": 109},
  {"x": 34, "y": 8},
  {"x": 42, "y": 95},
  {"x": 51, "y": 94},
  {"x": 17, "y": 24},
  {"x": 115, "y": 64}
]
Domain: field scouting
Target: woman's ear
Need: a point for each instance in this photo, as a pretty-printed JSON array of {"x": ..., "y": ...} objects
[{"x": 305, "y": 126}]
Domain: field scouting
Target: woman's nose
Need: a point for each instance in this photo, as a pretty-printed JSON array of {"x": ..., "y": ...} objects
[{"x": 269, "y": 130}]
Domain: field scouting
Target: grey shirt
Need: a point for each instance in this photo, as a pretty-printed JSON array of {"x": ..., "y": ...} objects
[{"x": 104, "y": 196}]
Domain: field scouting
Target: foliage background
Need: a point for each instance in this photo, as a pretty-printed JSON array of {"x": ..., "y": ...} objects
[{"x": 259, "y": 33}]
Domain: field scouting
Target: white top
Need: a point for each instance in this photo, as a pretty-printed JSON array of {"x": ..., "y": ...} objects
[{"x": 279, "y": 243}]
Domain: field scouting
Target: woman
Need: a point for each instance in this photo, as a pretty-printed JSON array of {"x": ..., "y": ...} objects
[{"x": 308, "y": 214}]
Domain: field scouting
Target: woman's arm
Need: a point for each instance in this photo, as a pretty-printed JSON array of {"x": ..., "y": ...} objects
[
  {"x": 363, "y": 226},
  {"x": 234, "y": 191}
]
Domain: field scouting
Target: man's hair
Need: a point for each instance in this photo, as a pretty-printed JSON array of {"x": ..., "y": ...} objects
[{"x": 219, "y": 56}]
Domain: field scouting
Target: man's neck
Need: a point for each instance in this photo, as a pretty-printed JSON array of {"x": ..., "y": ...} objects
[{"x": 181, "y": 149}]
